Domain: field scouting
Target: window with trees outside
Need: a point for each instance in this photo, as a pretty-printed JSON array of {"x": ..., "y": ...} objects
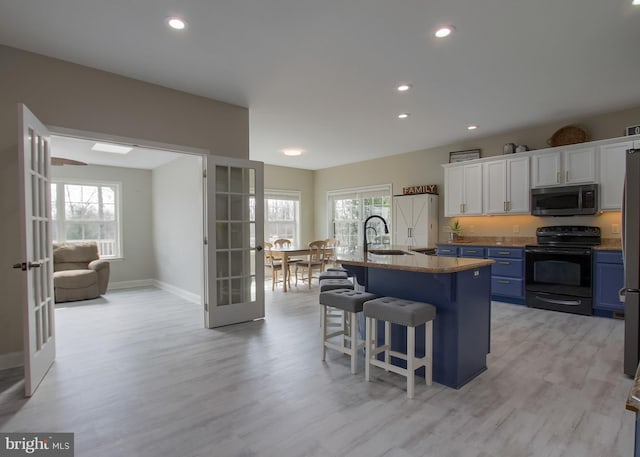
[
  {"x": 282, "y": 215},
  {"x": 348, "y": 209},
  {"x": 87, "y": 212}
]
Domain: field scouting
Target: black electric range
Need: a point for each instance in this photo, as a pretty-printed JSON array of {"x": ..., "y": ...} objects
[{"x": 558, "y": 268}]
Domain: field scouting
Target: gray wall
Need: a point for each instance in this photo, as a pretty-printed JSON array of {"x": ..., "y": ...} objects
[
  {"x": 76, "y": 97},
  {"x": 424, "y": 167},
  {"x": 178, "y": 223},
  {"x": 285, "y": 178},
  {"x": 137, "y": 248}
]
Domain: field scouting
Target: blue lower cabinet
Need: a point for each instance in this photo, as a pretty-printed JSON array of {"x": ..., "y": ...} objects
[
  {"x": 472, "y": 251},
  {"x": 608, "y": 280},
  {"x": 506, "y": 287},
  {"x": 507, "y": 274},
  {"x": 447, "y": 251}
]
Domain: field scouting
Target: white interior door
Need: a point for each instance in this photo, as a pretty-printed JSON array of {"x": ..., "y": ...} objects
[
  {"x": 37, "y": 261},
  {"x": 234, "y": 266}
]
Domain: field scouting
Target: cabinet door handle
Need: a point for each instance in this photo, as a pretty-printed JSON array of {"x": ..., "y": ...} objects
[
  {"x": 567, "y": 176},
  {"x": 508, "y": 206},
  {"x": 503, "y": 281},
  {"x": 504, "y": 253},
  {"x": 504, "y": 206},
  {"x": 504, "y": 263},
  {"x": 461, "y": 210}
]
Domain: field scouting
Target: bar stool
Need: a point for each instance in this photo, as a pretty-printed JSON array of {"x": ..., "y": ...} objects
[
  {"x": 332, "y": 275},
  {"x": 335, "y": 283},
  {"x": 344, "y": 270},
  {"x": 410, "y": 314},
  {"x": 351, "y": 303}
]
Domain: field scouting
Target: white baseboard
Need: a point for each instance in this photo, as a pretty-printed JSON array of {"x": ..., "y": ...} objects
[
  {"x": 130, "y": 284},
  {"x": 189, "y": 296},
  {"x": 11, "y": 360}
]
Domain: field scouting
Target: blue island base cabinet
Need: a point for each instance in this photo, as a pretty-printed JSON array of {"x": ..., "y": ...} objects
[{"x": 461, "y": 329}]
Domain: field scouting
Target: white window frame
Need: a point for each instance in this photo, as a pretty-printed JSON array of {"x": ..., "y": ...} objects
[
  {"x": 282, "y": 194},
  {"x": 119, "y": 251},
  {"x": 358, "y": 193}
]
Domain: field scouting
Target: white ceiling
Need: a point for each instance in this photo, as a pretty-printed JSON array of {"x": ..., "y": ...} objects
[
  {"x": 321, "y": 75},
  {"x": 80, "y": 149}
]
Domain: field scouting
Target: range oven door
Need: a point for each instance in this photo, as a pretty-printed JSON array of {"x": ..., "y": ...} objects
[{"x": 559, "y": 279}]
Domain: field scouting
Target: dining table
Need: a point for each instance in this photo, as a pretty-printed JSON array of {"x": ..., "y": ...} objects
[{"x": 285, "y": 253}]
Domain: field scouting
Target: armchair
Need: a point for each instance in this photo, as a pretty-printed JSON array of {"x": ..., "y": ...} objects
[{"x": 78, "y": 271}]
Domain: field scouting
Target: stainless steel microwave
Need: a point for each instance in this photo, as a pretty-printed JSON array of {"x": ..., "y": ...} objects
[{"x": 565, "y": 200}]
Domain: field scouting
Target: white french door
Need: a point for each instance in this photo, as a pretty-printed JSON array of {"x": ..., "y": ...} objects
[
  {"x": 37, "y": 257},
  {"x": 234, "y": 227}
]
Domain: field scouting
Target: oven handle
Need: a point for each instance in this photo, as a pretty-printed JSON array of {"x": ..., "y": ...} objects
[{"x": 560, "y": 302}]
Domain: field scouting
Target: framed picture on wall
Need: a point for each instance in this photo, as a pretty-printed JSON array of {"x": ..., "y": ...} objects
[
  {"x": 461, "y": 156},
  {"x": 633, "y": 130}
]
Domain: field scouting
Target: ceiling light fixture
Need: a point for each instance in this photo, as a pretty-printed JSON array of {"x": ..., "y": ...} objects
[
  {"x": 635, "y": 2},
  {"x": 444, "y": 31},
  {"x": 404, "y": 87},
  {"x": 403, "y": 115},
  {"x": 176, "y": 23},
  {"x": 472, "y": 127},
  {"x": 108, "y": 147},
  {"x": 292, "y": 152}
]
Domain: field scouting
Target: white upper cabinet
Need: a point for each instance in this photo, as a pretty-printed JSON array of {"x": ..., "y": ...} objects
[
  {"x": 546, "y": 169},
  {"x": 463, "y": 190},
  {"x": 612, "y": 167},
  {"x": 506, "y": 186},
  {"x": 518, "y": 185},
  {"x": 580, "y": 165},
  {"x": 494, "y": 187},
  {"x": 564, "y": 167},
  {"x": 415, "y": 220}
]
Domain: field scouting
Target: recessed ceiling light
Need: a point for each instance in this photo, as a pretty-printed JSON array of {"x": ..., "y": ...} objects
[
  {"x": 404, "y": 87},
  {"x": 635, "y": 2},
  {"x": 403, "y": 115},
  {"x": 472, "y": 127},
  {"x": 444, "y": 31},
  {"x": 176, "y": 23},
  {"x": 292, "y": 152},
  {"x": 108, "y": 147}
]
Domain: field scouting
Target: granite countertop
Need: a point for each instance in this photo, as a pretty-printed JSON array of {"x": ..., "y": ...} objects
[
  {"x": 607, "y": 244},
  {"x": 633, "y": 400},
  {"x": 412, "y": 262},
  {"x": 504, "y": 241}
]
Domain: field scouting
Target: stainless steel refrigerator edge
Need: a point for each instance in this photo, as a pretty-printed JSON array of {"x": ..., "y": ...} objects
[{"x": 631, "y": 256}]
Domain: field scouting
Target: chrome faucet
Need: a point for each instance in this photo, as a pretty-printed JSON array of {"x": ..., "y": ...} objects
[{"x": 366, "y": 243}]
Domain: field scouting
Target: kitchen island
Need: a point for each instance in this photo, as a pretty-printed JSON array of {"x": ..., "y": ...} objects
[{"x": 459, "y": 288}]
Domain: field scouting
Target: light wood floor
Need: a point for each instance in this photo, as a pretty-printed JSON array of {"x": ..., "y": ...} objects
[{"x": 138, "y": 375}]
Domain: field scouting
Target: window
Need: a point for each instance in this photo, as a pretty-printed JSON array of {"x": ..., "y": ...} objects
[
  {"x": 85, "y": 211},
  {"x": 348, "y": 209},
  {"x": 282, "y": 215}
]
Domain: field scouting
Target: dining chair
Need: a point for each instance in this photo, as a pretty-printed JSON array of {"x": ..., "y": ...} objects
[
  {"x": 314, "y": 261},
  {"x": 272, "y": 262},
  {"x": 286, "y": 243},
  {"x": 330, "y": 251}
]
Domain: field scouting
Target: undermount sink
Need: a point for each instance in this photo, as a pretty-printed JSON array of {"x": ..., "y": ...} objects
[{"x": 388, "y": 252}]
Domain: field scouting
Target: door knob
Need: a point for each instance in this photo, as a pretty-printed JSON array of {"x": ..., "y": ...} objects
[
  {"x": 34, "y": 265},
  {"x": 22, "y": 266},
  {"x": 258, "y": 248}
]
